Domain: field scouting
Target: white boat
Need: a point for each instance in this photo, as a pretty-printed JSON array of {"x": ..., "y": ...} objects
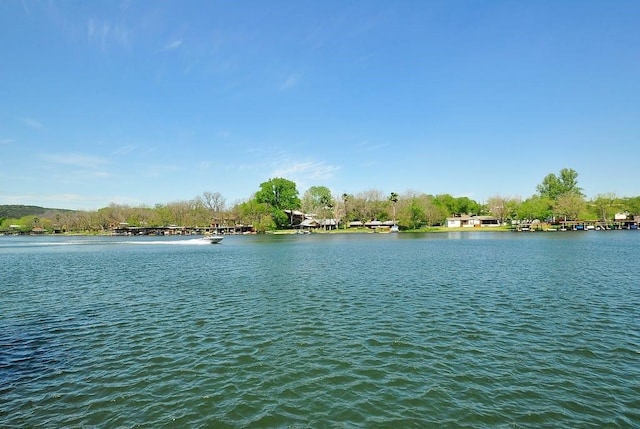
[{"x": 213, "y": 239}]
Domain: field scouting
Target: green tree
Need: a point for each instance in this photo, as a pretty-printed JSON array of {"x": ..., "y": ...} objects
[
  {"x": 536, "y": 207},
  {"x": 553, "y": 186},
  {"x": 452, "y": 205},
  {"x": 466, "y": 205},
  {"x": 569, "y": 205},
  {"x": 257, "y": 214},
  {"x": 112, "y": 215},
  {"x": 316, "y": 199},
  {"x": 605, "y": 206},
  {"x": 631, "y": 204},
  {"x": 368, "y": 205},
  {"x": 434, "y": 215},
  {"x": 447, "y": 203},
  {"x": 279, "y": 195},
  {"x": 417, "y": 209},
  {"x": 410, "y": 213},
  {"x": 373, "y": 204},
  {"x": 9, "y": 221}
]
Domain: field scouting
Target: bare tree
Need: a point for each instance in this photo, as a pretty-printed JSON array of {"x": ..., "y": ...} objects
[
  {"x": 374, "y": 204},
  {"x": 503, "y": 207},
  {"x": 214, "y": 201}
]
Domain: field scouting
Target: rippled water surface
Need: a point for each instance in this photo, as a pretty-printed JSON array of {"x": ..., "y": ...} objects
[{"x": 376, "y": 330}]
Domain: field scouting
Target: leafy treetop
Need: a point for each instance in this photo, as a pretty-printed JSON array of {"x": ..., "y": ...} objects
[
  {"x": 566, "y": 182},
  {"x": 279, "y": 193}
]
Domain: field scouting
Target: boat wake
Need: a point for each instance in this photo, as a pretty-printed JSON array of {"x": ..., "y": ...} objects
[
  {"x": 189, "y": 242},
  {"x": 27, "y": 243}
]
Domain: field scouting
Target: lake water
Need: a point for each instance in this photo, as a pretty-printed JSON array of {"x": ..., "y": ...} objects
[{"x": 473, "y": 329}]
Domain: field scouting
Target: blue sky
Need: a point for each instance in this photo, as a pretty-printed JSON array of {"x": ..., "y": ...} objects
[{"x": 146, "y": 102}]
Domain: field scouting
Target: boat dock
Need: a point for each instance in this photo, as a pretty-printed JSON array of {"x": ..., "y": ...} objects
[{"x": 578, "y": 225}]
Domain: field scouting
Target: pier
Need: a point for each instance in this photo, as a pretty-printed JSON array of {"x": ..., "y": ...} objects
[
  {"x": 578, "y": 225},
  {"x": 181, "y": 230}
]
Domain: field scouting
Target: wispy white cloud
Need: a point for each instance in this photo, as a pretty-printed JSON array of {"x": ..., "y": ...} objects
[
  {"x": 25, "y": 6},
  {"x": 91, "y": 29},
  {"x": 371, "y": 164},
  {"x": 365, "y": 146},
  {"x": 93, "y": 174},
  {"x": 6, "y": 141},
  {"x": 245, "y": 167},
  {"x": 305, "y": 171},
  {"x": 72, "y": 201},
  {"x": 125, "y": 5},
  {"x": 32, "y": 123},
  {"x": 158, "y": 170},
  {"x": 174, "y": 44},
  {"x": 106, "y": 34},
  {"x": 124, "y": 150},
  {"x": 74, "y": 168},
  {"x": 50, "y": 200},
  {"x": 123, "y": 200},
  {"x": 74, "y": 159},
  {"x": 290, "y": 81}
]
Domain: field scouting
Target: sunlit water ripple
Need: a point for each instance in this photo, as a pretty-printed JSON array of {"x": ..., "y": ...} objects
[{"x": 394, "y": 330}]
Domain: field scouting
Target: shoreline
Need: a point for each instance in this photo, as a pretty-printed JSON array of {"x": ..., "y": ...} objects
[{"x": 429, "y": 230}]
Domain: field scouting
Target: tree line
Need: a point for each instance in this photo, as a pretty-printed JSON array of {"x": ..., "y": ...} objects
[{"x": 558, "y": 197}]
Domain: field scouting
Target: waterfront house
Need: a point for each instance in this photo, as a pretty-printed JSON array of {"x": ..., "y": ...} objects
[
  {"x": 296, "y": 217},
  {"x": 308, "y": 224},
  {"x": 621, "y": 216},
  {"x": 373, "y": 224},
  {"x": 313, "y": 223},
  {"x": 467, "y": 221},
  {"x": 328, "y": 223}
]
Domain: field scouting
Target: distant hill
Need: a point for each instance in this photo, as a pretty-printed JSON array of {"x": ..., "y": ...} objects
[{"x": 17, "y": 211}]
